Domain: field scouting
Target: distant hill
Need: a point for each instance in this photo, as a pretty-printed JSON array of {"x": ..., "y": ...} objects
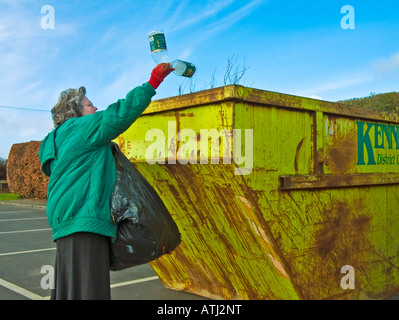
[{"x": 383, "y": 102}]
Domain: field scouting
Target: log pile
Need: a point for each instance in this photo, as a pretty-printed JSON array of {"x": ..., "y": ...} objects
[{"x": 24, "y": 173}]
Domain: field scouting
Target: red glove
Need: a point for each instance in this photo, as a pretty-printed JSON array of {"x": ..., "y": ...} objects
[{"x": 159, "y": 73}]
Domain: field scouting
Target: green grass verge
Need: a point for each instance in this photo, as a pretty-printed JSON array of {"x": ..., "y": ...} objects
[{"x": 8, "y": 196}]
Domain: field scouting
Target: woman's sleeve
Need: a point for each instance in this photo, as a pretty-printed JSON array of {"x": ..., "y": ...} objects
[{"x": 103, "y": 126}]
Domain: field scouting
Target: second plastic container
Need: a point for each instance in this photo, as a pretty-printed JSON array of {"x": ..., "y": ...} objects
[{"x": 183, "y": 68}]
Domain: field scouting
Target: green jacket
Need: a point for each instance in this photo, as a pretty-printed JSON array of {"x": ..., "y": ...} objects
[{"x": 78, "y": 159}]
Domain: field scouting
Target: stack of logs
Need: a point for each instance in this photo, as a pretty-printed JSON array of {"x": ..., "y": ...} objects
[{"x": 24, "y": 173}]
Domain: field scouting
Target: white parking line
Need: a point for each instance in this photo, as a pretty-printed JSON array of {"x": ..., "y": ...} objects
[
  {"x": 26, "y": 251},
  {"x": 19, "y": 231},
  {"x": 33, "y": 296},
  {"x": 126, "y": 283},
  {"x": 23, "y": 292},
  {"x": 15, "y": 211},
  {"x": 21, "y": 219}
]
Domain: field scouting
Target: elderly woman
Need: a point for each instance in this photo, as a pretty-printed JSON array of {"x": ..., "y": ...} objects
[{"x": 77, "y": 157}]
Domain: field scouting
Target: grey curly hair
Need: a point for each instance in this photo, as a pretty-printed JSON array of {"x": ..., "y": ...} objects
[{"x": 69, "y": 105}]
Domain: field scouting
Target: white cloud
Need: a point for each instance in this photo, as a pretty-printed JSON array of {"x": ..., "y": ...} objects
[
  {"x": 23, "y": 123},
  {"x": 26, "y": 54},
  {"x": 203, "y": 13},
  {"x": 388, "y": 66},
  {"x": 4, "y": 34},
  {"x": 186, "y": 53},
  {"x": 316, "y": 97},
  {"x": 19, "y": 126},
  {"x": 375, "y": 71},
  {"x": 216, "y": 24},
  {"x": 231, "y": 19},
  {"x": 346, "y": 80}
]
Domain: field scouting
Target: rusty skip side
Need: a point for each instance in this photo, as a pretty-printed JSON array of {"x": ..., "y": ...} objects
[
  {"x": 315, "y": 188},
  {"x": 336, "y": 181},
  {"x": 267, "y": 98}
]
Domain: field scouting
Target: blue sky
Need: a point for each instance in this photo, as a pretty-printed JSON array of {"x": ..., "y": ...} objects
[{"x": 293, "y": 47}]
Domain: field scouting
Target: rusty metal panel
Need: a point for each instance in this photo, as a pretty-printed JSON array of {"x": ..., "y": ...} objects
[
  {"x": 226, "y": 252},
  {"x": 335, "y": 181},
  {"x": 277, "y": 213}
]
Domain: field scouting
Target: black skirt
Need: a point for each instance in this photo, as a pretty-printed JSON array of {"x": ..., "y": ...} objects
[{"x": 82, "y": 270}]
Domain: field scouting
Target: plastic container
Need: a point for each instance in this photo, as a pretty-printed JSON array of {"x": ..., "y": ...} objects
[
  {"x": 158, "y": 47},
  {"x": 183, "y": 68},
  {"x": 159, "y": 53}
]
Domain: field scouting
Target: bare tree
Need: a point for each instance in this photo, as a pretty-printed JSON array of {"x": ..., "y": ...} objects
[
  {"x": 234, "y": 74},
  {"x": 3, "y": 169}
]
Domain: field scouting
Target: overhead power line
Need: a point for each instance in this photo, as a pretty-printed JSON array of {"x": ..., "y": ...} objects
[{"x": 19, "y": 108}]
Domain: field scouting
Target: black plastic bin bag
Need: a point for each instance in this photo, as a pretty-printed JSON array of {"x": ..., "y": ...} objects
[{"x": 146, "y": 230}]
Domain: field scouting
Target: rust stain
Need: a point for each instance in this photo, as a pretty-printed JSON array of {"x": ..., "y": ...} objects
[
  {"x": 200, "y": 220},
  {"x": 298, "y": 148},
  {"x": 263, "y": 238},
  {"x": 342, "y": 154},
  {"x": 341, "y": 231},
  {"x": 218, "y": 244},
  {"x": 340, "y": 239},
  {"x": 120, "y": 140}
]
